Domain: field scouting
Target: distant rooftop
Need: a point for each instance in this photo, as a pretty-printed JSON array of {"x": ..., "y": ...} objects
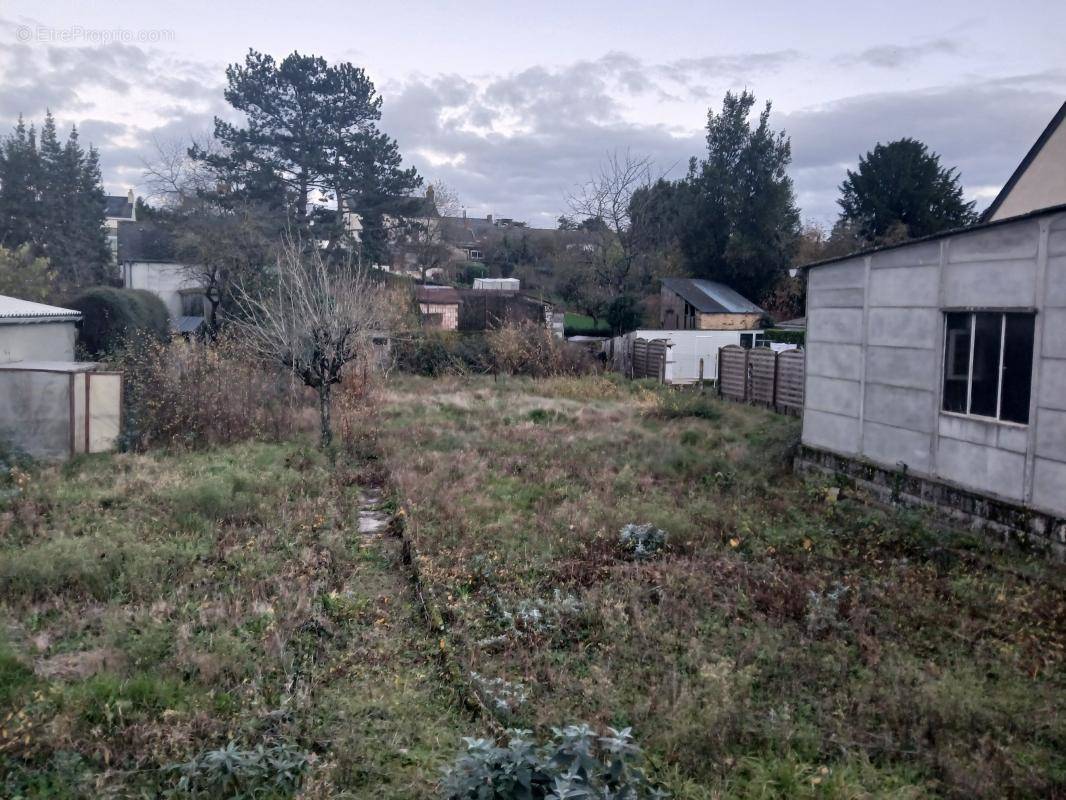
[
  {"x": 118, "y": 206},
  {"x": 711, "y": 297},
  {"x": 14, "y": 311}
]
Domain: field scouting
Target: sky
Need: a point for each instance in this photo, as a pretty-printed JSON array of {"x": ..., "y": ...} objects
[{"x": 513, "y": 106}]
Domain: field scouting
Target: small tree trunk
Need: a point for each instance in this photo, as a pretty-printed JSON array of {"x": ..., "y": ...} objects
[{"x": 324, "y": 399}]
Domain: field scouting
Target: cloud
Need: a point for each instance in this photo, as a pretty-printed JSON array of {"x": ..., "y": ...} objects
[{"x": 894, "y": 56}]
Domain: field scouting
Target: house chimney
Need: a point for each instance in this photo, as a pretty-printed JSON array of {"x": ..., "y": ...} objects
[
  {"x": 488, "y": 217},
  {"x": 130, "y": 198}
]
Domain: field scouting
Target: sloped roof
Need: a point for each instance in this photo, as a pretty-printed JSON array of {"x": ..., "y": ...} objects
[
  {"x": 118, "y": 206},
  {"x": 711, "y": 297},
  {"x": 14, "y": 310},
  {"x": 144, "y": 241},
  {"x": 1034, "y": 151},
  {"x": 443, "y": 295}
]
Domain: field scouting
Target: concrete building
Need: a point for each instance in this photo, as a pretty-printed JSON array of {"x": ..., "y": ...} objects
[
  {"x": 936, "y": 372},
  {"x": 1040, "y": 179},
  {"x": 696, "y": 304},
  {"x": 34, "y": 331},
  {"x": 50, "y": 405}
]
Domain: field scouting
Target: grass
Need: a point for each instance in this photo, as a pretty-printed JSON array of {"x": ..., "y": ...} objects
[
  {"x": 789, "y": 642},
  {"x": 155, "y": 607},
  {"x": 583, "y": 325}
]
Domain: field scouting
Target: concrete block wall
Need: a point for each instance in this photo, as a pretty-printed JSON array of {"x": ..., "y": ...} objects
[{"x": 875, "y": 341}]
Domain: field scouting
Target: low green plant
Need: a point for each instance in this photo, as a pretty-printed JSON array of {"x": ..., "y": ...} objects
[
  {"x": 575, "y": 763},
  {"x": 642, "y": 541},
  {"x": 276, "y": 771},
  {"x": 678, "y": 405}
]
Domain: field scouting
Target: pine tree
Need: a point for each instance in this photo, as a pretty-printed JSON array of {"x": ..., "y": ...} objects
[{"x": 19, "y": 208}]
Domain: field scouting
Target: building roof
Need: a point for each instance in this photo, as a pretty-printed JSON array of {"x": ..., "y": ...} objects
[
  {"x": 118, "y": 206},
  {"x": 441, "y": 295},
  {"x": 980, "y": 226},
  {"x": 797, "y": 324},
  {"x": 1034, "y": 151},
  {"x": 187, "y": 324},
  {"x": 711, "y": 297},
  {"x": 52, "y": 366},
  {"x": 15, "y": 311},
  {"x": 144, "y": 241}
]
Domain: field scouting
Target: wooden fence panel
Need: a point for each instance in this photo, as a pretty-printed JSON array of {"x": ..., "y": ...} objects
[
  {"x": 790, "y": 368},
  {"x": 733, "y": 372},
  {"x": 762, "y": 369}
]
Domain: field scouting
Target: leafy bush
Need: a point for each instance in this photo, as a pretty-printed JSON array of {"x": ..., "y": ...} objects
[
  {"x": 436, "y": 353},
  {"x": 111, "y": 317},
  {"x": 266, "y": 772},
  {"x": 679, "y": 404},
  {"x": 576, "y": 763},
  {"x": 531, "y": 349},
  {"x": 642, "y": 541},
  {"x": 786, "y": 337}
]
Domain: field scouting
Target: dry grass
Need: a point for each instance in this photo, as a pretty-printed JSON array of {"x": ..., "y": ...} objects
[
  {"x": 156, "y": 606},
  {"x": 785, "y": 645}
]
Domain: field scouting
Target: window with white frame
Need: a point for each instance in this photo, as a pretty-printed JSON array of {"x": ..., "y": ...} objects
[{"x": 988, "y": 364}]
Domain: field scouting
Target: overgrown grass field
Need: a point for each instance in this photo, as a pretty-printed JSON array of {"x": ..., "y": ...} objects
[
  {"x": 789, "y": 640},
  {"x": 154, "y": 608}
]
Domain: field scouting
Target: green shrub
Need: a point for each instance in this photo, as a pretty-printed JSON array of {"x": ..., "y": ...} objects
[
  {"x": 266, "y": 772},
  {"x": 680, "y": 404},
  {"x": 436, "y": 353},
  {"x": 786, "y": 337},
  {"x": 576, "y": 763},
  {"x": 112, "y": 316}
]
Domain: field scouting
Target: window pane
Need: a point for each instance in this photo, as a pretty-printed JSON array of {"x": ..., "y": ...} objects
[
  {"x": 1017, "y": 368},
  {"x": 985, "y": 385},
  {"x": 956, "y": 361}
]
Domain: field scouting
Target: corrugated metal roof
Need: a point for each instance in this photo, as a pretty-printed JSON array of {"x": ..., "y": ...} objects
[
  {"x": 710, "y": 296},
  {"x": 442, "y": 295},
  {"x": 14, "y": 310},
  {"x": 51, "y": 366},
  {"x": 188, "y": 324}
]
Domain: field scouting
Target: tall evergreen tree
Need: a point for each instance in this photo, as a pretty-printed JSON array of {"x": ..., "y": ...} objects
[
  {"x": 19, "y": 209},
  {"x": 312, "y": 128},
  {"x": 52, "y": 200},
  {"x": 901, "y": 191},
  {"x": 740, "y": 221}
]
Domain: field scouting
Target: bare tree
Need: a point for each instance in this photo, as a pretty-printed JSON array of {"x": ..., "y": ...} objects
[
  {"x": 603, "y": 206},
  {"x": 173, "y": 178},
  {"x": 316, "y": 319},
  {"x": 429, "y": 236}
]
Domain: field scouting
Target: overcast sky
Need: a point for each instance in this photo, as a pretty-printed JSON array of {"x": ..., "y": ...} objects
[{"x": 512, "y": 105}]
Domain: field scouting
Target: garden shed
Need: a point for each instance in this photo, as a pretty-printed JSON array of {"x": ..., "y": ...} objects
[
  {"x": 36, "y": 331},
  {"x": 936, "y": 372},
  {"x": 56, "y": 409}
]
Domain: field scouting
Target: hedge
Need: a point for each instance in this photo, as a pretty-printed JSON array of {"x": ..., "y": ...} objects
[
  {"x": 786, "y": 336},
  {"x": 110, "y": 316}
]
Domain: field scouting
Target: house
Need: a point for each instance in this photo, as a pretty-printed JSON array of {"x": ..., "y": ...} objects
[
  {"x": 439, "y": 306},
  {"x": 696, "y": 304},
  {"x": 147, "y": 261},
  {"x": 1040, "y": 179},
  {"x": 118, "y": 209},
  {"x": 50, "y": 405},
  {"x": 936, "y": 373},
  {"x": 34, "y": 331}
]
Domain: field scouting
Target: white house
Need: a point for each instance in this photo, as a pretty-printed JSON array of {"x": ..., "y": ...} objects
[
  {"x": 118, "y": 209},
  {"x": 1040, "y": 179},
  {"x": 146, "y": 260}
]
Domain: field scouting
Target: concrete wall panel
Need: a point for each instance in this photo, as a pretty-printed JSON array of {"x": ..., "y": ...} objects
[
  {"x": 986, "y": 469},
  {"x": 35, "y": 412},
  {"x": 916, "y": 255},
  {"x": 905, "y": 286},
  {"x": 1051, "y": 443},
  {"x": 839, "y": 325},
  {"x": 984, "y": 432},
  {"x": 1049, "y": 485},
  {"x": 990, "y": 284},
  {"x": 1056, "y": 281},
  {"x": 1052, "y": 383},
  {"x": 890, "y": 446},
  {"x": 831, "y": 431},
  {"x": 913, "y": 367},
  {"x": 837, "y": 298},
  {"x": 905, "y": 327},
  {"x": 836, "y": 361},
  {"x": 37, "y": 341},
  {"x": 1054, "y": 333},
  {"x": 996, "y": 244},
  {"x": 835, "y": 396},
  {"x": 910, "y": 409},
  {"x": 849, "y": 274}
]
